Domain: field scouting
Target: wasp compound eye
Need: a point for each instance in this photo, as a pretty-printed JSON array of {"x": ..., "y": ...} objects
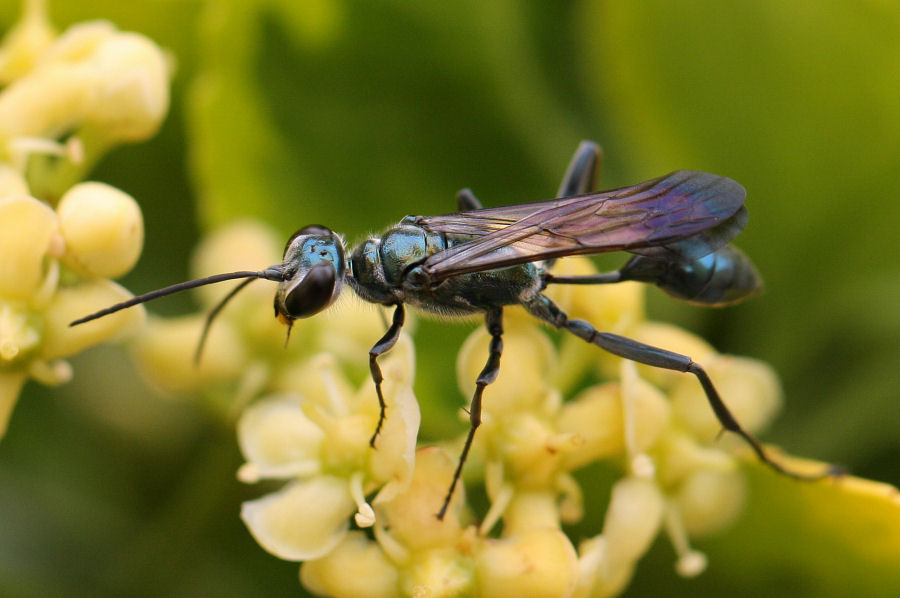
[
  {"x": 311, "y": 294},
  {"x": 311, "y": 230}
]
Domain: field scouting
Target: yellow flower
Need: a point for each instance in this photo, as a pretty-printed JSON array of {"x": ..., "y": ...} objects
[
  {"x": 97, "y": 86},
  {"x": 415, "y": 554},
  {"x": 75, "y": 96},
  {"x": 317, "y": 437},
  {"x": 38, "y": 300}
]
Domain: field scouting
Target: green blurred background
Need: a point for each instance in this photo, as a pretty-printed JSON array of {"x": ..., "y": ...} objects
[{"x": 355, "y": 113}]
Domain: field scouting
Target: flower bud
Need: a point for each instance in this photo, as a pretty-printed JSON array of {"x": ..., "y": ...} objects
[
  {"x": 242, "y": 245},
  {"x": 165, "y": 353},
  {"x": 70, "y": 303},
  {"x": 709, "y": 501},
  {"x": 103, "y": 230},
  {"x": 357, "y": 567},
  {"x": 632, "y": 520},
  {"x": 25, "y": 42},
  {"x": 539, "y": 563},
  {"x": 611, "y": 308},
  {"x": 670, "y": 338},
  {"x": 597, "y": 416},
  {"x": 528, "y": 357},
  {"x": 410, "y": 516}
]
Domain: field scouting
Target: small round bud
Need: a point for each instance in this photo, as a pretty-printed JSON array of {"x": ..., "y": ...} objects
[
  {"x": 691, "y": 564},
  {"x": 24, "y": 43},
  {"x": 241, "y": 245},
  {"x": 611, "y": 308},
  {"x": 540, "y": 562},
  {"x": 103, "y": 230},
  {"x": 126, "y": 74},
  {"x": 710, "y": 500},
  {"x": 61, "y": 340},
  {"x": 411, "y": 515},
  {"x": 357, "y": 567},
  {"x": 12, "y": 182},
  {"x": 166, "y": 350},
  {"x": 597, "y": 416},
  {"x": 672, "y": 338}
]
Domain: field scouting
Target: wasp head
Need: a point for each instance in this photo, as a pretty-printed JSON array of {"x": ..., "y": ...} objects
[{"x": 313, "y": 273}]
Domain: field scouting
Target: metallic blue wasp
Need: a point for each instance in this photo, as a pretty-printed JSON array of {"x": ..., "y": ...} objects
[{"x": 479, "y": 260}]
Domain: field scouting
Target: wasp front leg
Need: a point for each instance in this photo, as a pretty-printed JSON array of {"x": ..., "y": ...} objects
[
  {"x": 494, "y": 322},
  {"x": 387, "y": 341}
]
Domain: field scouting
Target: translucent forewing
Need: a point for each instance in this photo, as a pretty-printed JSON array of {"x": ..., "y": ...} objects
[{"x": 685, "y": 213}]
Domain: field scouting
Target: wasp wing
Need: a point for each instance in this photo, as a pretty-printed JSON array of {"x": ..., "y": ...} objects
[{"x": 683, "y": 215}]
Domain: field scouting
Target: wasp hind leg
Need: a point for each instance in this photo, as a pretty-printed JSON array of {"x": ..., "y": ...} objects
[
  {"x": 543, "y": 308},
  {"x": 494, "y": 322},
  {"x": 581, "y": 173}
]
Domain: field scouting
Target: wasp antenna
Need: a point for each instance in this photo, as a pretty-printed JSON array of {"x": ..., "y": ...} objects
[
  {"x": 212, "y": 316},
  {"x": 271, "y": 273}
]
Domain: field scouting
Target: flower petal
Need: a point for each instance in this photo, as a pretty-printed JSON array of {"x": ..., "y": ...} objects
[
  {"x": 396, "y": 455},
  {"x": 304, "y": 520},
  {"x": 709, "y": 501},
  {"x": 410, "y": 516},
  {"x": 10, "y": 386},
  {"x": 278, "y": 439}
]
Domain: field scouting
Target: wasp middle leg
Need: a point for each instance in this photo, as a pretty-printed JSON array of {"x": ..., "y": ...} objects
[{"x": 493, "y": 320}]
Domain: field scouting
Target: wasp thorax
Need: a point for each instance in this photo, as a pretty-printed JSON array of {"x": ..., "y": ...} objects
[{"x": 313, "y": 267}]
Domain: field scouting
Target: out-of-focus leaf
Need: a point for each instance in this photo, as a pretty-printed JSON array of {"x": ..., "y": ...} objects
[{"x": 303, "y": 109}]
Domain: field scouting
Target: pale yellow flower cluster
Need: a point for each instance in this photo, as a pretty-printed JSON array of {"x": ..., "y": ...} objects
[
  {"x": 654, "y": 428},
  {"x": 66, "y": 99}
]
